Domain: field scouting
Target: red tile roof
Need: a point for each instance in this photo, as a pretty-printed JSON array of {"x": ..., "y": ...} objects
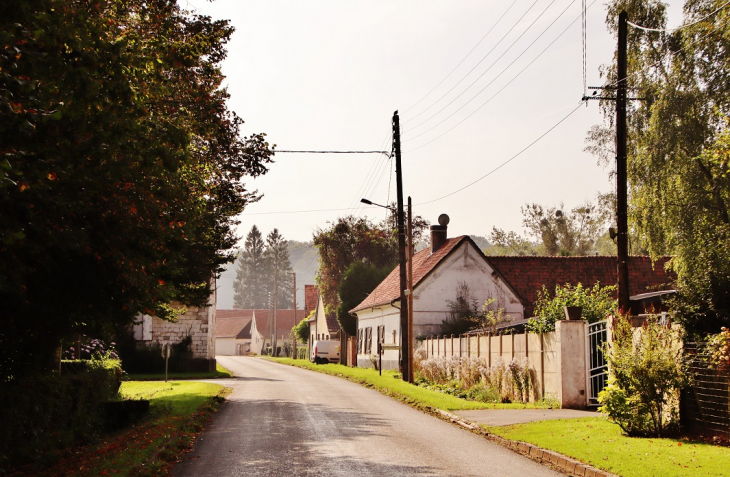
[
  {"x": 528, "y": 274},
  {"x": 233, "y": 327},
  {"x": 423, "y": 262}
]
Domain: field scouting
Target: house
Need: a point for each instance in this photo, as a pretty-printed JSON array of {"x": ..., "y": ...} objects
[
  {"x": 234, "y": 333},
  {"x": 199, "y": 323},
  {"x": 512, "y": 281},
  {"x": 323, "y": 326},
  {"x": 258, "y": 334}
]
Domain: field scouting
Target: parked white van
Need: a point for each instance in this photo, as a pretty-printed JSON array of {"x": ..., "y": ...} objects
[{"x": 324, "y": 352}]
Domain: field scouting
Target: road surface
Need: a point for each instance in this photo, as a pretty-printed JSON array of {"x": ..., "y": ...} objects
[{"x": 282, "y": 420}]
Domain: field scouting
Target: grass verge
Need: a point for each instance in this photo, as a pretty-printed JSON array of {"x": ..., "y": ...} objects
[
  {"x": 220, "y": 372},
  {"x": 601, "y": 444},
  {"x": 178, "y": 411},
  {"x": 391, "y": 384}
]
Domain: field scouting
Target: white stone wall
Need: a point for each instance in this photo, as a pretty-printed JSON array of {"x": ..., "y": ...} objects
[{"x": 199, "y": 323}]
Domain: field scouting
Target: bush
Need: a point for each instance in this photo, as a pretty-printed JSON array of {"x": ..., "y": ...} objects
[
  {"x": 597, "y": 304},
  {"x": 718, "y": 347},
  {"x": 648, "y": 369},
  {"x": 147, "y": 359},
  {"x": 45, "y": 413}
]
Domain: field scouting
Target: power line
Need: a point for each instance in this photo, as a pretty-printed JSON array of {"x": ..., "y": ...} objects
[
  {"x": 508, "y": 160},
  {"x": 681, "y": 27},
  {"x": 479, "y": 63},
  {"x": 493, "y": 79},
  {"x": 297, "y": 211},
  {"x": 464, "y": 59},
  {"x": 336, "y": 152},
  {"x": 503, "y": 87}
]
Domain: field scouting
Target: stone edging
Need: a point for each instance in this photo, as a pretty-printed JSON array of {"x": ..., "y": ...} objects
[{"x": 544, "y": 456}]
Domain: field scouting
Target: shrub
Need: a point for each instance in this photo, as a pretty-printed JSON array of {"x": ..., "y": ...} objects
[
  {"x": 45, "y": 413},
  {"x": 597, "y": 304},
  {"x": 718, "y": 347},
  {"x": 648, "y": 369},
  {"x": 521, "y": 378}
]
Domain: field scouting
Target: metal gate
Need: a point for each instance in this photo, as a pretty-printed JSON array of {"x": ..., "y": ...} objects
[{"x": 596, "y": 367}]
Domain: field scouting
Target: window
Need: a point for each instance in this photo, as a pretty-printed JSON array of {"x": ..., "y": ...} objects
[{"x": 368, "y": 339}]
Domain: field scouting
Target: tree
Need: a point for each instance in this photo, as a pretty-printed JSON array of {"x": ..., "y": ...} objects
[
  {"x": 277, "y": 255},
  {"x": 557, "y": 231},
  {"x": 597, "y": 304},
  {"x": 252, "y": 275},
  {"x": 358, "y": 281},
  {"x": 301, "y": 330},
  {"x": 679, "y": 186},
  {"x": 122, "y": 168}
]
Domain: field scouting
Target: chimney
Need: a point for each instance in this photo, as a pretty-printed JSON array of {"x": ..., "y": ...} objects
[{"x": 438, "y": 232}]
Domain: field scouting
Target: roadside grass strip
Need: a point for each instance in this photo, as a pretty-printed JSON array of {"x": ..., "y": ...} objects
[
  {"x": 390, "y": 384},
  {"x": 178, "y": 411},
  {"x": 600, "y": 443},
  {"x": 220, "y": 372}
]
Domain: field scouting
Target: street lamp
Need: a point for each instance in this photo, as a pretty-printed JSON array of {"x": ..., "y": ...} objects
[{"x": 369, "y": 202}]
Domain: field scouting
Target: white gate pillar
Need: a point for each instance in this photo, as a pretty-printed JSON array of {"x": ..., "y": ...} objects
[{"x": 570, "y": 339}]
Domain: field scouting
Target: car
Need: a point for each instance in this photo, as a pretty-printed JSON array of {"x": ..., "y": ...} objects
[{"x": 324, "y": 352}]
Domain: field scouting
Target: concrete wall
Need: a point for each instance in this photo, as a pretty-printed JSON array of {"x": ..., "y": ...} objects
[
  {"x": 557, "y": 359},
  {"x": 232, "y": 346}
]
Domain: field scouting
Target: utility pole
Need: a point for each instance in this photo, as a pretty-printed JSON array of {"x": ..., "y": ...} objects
[
  {"x": 294, "y": 296},
  {"x": 405, "y": 336},
  {"x": 276, "y": 295},
  {"x": 410, "y": 289},
  {"x": 622, "y": 238}
]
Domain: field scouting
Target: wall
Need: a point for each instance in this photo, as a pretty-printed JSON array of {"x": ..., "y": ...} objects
[
  {"x": 232, "y": 346},
  {"x": 199, "y": 323},
  {"x": 557, "y": 359}
]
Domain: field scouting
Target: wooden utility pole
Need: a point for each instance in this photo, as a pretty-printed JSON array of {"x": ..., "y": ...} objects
[
  {"x": 622, "y": 238},
  {"x": 294, "y": 296},
  {"x": 405, "y": 336},
  {"x": 276, "y": 295},
  {"x": 410, "y": 290}
]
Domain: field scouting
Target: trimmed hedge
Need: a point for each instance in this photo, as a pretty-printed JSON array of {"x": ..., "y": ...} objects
[{"x": 43, "y": 414}]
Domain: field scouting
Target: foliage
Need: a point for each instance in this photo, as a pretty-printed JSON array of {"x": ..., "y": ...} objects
[
  {"x": 301, "y": 330},
  {"x": 250, "y": 286},
  {"x": 557, "y": 231},
  {"x": 147, "y": 358},
  {"x": 122, "y": 168},
  {"x": 597, "y": 442},
  {"x": 678, "y": 149},
  {"x": 262, "y": 268},
  {"x": 43, "y": 414},
  {"x": 348, "y": 240},
  {"x": 358, "y": 281},
  {"x": 390, "y": 384},
  {"x": 648, "y": 369},
  {"x": 718, "y": 347},
  {"x": 597, "y": 304},
  {"x": 465, "y": 316}
]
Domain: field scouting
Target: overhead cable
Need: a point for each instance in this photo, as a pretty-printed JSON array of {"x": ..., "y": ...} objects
[{"x": 508, "y": 160}]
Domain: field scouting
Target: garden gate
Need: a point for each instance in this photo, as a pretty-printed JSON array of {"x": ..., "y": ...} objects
[{"x": 596, "y": 367}]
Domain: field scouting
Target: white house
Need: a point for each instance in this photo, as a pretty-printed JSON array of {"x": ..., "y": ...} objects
[
  {"x": 437, "y": 272},
  {"x": 514, "y": 282}
]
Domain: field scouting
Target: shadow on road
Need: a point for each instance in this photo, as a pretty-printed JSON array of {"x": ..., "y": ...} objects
[{"x": 276, "y": 437}]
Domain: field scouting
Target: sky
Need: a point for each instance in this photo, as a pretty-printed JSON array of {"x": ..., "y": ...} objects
[{"x": 487, "y": 91}]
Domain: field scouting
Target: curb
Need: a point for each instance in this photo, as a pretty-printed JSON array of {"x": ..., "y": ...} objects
[{"x": 538, "y": 454}]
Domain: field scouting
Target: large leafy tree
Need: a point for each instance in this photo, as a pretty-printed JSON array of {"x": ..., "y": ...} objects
[
  {"x": 252, "y": 275},
  {"x": 358, "y": 281},
  {"x": 122, "y": 168},
  {"x": 679, "y": 179},
  {"x": 556, "y": 231}
]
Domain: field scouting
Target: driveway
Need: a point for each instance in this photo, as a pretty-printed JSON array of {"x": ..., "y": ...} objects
[{"x": 282, "y": 420}]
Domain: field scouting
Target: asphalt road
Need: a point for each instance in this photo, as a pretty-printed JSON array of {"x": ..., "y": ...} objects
[{"x": 282, "y": 420}]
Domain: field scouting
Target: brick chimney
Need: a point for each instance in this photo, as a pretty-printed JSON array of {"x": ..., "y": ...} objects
[
  {"x": 438, "y": 232},
  {"x": 311, "y": 295}
]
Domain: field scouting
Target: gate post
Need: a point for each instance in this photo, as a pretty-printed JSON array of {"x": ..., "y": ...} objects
[{"x": 571, "y": 363}]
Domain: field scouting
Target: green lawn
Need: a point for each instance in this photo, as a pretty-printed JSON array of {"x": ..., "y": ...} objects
[
  {"x": 601, "y": 444},
  {"x": 391, "y": 384},
  {"x": 178, "y": 410},
  {"x": 220, "y": 372}
]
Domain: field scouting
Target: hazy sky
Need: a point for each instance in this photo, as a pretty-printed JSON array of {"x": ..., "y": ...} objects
[{"x": 328, "y": 75}]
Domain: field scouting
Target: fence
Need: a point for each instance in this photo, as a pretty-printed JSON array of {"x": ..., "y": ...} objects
[
  {"x": 540, "y": 349},
  {"x": 705, "y": 406}
]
